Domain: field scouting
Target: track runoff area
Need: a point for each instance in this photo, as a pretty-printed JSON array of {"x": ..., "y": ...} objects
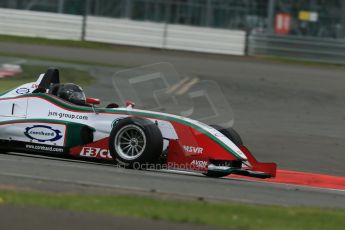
[{"x": 301, "y": 178}]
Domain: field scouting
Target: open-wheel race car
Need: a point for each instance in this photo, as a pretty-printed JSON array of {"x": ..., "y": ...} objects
[{"x": 49, "y": 117}]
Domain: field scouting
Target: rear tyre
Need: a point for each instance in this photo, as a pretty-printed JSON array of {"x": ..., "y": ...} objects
[
  {"x": 135, "y": 142},
  {"x": 235, "y": 138}
]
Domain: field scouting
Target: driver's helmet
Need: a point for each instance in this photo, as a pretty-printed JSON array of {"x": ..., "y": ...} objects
[{"x": 72, "y": 93}]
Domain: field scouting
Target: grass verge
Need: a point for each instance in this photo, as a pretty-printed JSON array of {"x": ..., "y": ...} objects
[
  {"x": 58, "y": 42},
  {"x": 229, "y": 215},
  {"x": 113, "y": 47},
  {"x": 292, "y": 61},
  {"x": 31, "y": 73},
  {"x": 54, "y": 59}
]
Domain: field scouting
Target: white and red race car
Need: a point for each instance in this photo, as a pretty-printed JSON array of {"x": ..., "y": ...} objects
[{"x": 53, "y": 118}]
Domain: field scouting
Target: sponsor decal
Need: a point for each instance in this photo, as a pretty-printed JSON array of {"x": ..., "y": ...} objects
[
  {"x": 95, "y": 153},
  {"x": 22, "y": 91},
  {"x": 199, "y": 164},
  {"x": 44, "y": 148},
  {"x": 67, "y": 115},
  {"x": 193, "y": 150},
  {"x": 42, "y": 133}
]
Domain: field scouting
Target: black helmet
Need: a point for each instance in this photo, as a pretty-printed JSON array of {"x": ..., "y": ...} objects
[{"x": 72, "y": 93}]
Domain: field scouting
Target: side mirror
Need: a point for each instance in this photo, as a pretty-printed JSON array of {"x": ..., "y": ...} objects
[
  {"x": 130, "y": 104},
  {"x": 93, "y": 101}
]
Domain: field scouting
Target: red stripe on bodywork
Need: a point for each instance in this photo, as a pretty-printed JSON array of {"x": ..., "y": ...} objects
[
  {"x": 302, "y": 178},
  {"x": 97, "y": 149},
  {"x": 189, "y": 136},
  {"x": 269, "y": 168}
]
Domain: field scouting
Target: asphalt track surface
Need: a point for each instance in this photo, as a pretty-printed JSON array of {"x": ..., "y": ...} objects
[
  {"x": 292, "y": 115},
  {"x": 57, "y": 175}
]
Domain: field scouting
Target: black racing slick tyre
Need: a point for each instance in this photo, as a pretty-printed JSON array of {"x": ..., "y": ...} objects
[
  {"x": 135, "y": 142},
  {"x": 231, "y": 134},
  {"x": 235, "y": 138}
]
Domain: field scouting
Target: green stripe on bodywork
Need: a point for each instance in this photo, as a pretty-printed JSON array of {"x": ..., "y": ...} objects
[
  {"x": 73, "y": 137},
  {"x": 40, "y": 120},
  {"x": 127, "y": 112},
  {"x": 1, "y": 94}
]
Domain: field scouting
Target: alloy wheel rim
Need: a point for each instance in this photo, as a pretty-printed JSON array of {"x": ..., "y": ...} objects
[{"x": 130, "y": 142}]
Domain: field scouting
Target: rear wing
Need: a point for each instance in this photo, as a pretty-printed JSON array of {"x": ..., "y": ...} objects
[{"x": 44, "y": 81}]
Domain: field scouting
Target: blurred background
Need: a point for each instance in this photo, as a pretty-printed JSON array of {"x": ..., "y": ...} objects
[
  {"x": 315, "y": 18},
  {"x": 278, "y": 63},
  {"x": 244, "y": 47},
  {"x": 304, "y": 29}
]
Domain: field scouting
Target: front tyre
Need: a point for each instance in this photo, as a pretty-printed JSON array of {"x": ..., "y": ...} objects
[
  {"x": 135, "y": 141},
  {"x": 237, "y": 140},
  {"x": 231, "y": 134}
]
